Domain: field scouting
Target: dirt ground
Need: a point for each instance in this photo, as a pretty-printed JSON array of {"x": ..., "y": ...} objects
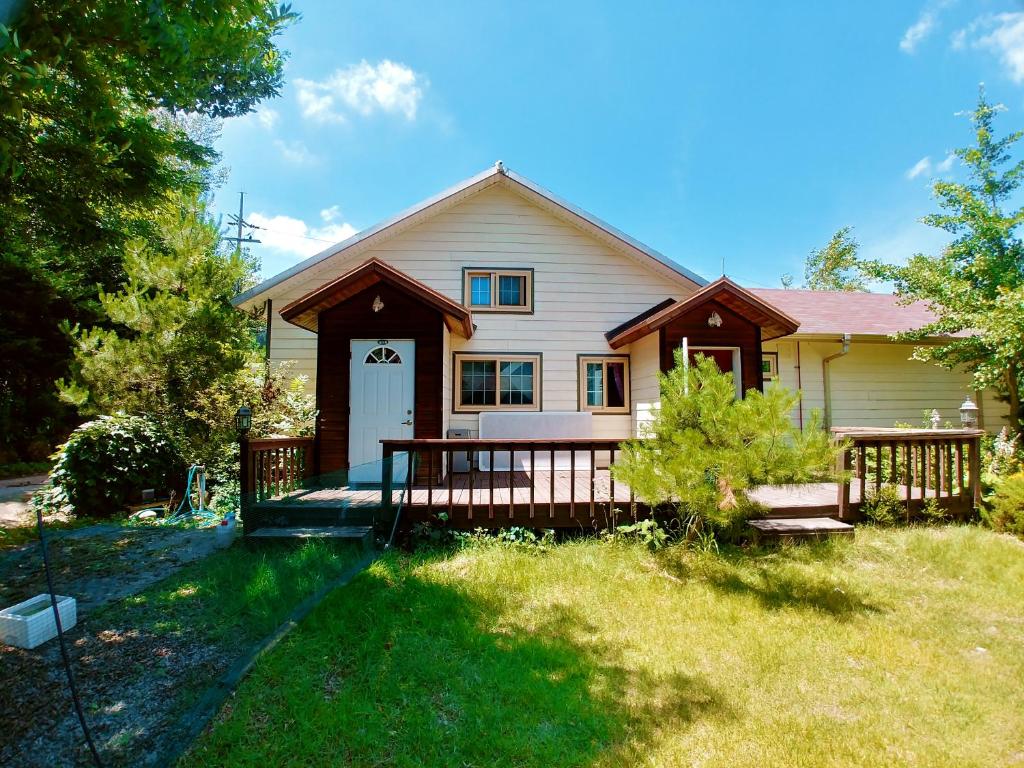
[{"x": 126, "y": 676}]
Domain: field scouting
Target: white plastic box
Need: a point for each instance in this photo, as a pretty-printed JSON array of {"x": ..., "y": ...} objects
[{"x": 31, "y": 623}]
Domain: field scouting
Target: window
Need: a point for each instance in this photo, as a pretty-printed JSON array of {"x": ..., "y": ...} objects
[
  {"x": 769, "y": 366},
  {"x": 382, "y": 356},
  {"x": 604, "y": 384},
  {"x": 497, "y": 382},
  {"x": 506, "y": 290}
]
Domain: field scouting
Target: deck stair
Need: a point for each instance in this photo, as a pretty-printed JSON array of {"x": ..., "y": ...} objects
[
  {"x": 779, "y": 528},
  {"x": 359, "y": 533}
]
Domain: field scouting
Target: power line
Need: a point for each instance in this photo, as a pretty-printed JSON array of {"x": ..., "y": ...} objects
[{"x": 288, "y": 234}]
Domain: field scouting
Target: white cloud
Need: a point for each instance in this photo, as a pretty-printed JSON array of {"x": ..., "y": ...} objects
[
  {"x": 925, "y": 166},
  {"x": 918, "y": 31},
  {"x": 268, "y": 117},
  {"x": 1001, "y": 34},
  {"x": 295, "y": 152},
  {"x": 921, "y": 167},
  {"x": 295, "y": 238},
  {"x": 947, "y": 164},
  {"x": 364, "y": 89}
]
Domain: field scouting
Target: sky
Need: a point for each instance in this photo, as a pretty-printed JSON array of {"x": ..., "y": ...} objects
[{"x": 737, "y": 134}]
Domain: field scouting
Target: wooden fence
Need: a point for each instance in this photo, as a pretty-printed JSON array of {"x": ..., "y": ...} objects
[
  {"x": 580, "y": 487},
  {"x": 922, "y": 464},
  {"x": 273, "y": 466}
]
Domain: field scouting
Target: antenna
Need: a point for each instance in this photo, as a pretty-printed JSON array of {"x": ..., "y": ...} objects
[
  {"x": 240, "y": 222},
  {"x": 723, "y": 266}
]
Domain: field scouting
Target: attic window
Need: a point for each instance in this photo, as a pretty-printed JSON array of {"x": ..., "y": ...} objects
[{"x": 504, "y": 290}]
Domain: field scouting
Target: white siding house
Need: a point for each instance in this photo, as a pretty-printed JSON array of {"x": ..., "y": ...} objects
[{"x": 562, "y": 286}]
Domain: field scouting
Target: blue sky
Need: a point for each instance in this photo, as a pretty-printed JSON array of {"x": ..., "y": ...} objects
[{"x": 744, "y": 131}]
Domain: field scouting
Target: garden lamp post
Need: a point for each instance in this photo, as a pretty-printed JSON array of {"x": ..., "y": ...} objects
[
  {"x": 243, "y": 423},
  {"x": 968, "y": 414}
]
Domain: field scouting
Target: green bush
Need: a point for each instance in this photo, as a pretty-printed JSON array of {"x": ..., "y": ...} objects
[
  {"x": 108, "y": 461},
  {"x": 1006, "y": 512},
  {"x": 885, "y": 507}
]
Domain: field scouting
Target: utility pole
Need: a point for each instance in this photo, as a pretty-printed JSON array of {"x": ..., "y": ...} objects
[{"x": 240, "y": 222}]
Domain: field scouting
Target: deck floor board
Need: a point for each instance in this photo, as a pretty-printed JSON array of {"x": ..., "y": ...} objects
[{"x": 571, "y": 502}]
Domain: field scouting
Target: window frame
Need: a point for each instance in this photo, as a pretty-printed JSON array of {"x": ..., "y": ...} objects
[
  {"x": 497, "y": 358},
  {"x": 494, "y": 274},
  {"x": 772, "y": 358},
  {"x": 581, "y": 384}
]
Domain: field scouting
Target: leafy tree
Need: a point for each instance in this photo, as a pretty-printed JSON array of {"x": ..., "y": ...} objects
[
  {"x": 178, "y": 351},
  {"x": 834, "y": 267},
  {"x": 86, "y": 149},
  {"x": 705, "y": 445},
  {"x": 975, "y": 286}
]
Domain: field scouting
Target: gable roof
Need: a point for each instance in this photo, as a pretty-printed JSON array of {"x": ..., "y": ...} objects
[
  {"x": 497, "y": 174},
  {"x": 856, "y": 313},
  {"x": 305, "y": 311},
  {"x": 773, "y": 322}
]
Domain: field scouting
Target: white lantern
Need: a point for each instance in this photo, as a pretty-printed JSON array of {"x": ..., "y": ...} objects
[{"x": 968, "y": 414}]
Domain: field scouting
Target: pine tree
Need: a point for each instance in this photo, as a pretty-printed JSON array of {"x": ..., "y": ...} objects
[
  {"x": 705, "y": 445},
  {"x": 174, "y": 334}
]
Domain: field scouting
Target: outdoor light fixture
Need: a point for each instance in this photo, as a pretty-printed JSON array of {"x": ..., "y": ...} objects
[
  {"x": 968, "y": 414},
  {"x": 243, "y": 419},
  {"x": 715, "y": 320}
]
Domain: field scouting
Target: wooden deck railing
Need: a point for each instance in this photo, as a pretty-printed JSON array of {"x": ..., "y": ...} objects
[
  {"x": 432, "y": 460},
  {"x": 272, "y": 466},
  {"x": 940, "y": 464}
]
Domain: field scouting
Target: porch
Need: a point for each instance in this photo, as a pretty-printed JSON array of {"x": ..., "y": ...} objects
[{"x": 568, "y": 483}]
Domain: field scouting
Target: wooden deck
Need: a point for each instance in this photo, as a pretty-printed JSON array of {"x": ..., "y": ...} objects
[
  {"x": 500, "y": 498},
  {"x": 281, "y": 489},
  {"x": 821, "y": 499}
]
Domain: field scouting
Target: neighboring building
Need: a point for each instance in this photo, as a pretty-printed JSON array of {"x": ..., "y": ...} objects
[{"x": 496, "y": 296}]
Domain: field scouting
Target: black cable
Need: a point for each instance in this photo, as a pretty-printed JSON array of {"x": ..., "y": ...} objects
[{"x": 63, "y": 646}]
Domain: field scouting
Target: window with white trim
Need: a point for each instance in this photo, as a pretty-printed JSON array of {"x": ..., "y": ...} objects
[
  {"x": 504, "y": 290},
  {"x": 486, "y": 382},
  {"x": 604, "y": 383}
]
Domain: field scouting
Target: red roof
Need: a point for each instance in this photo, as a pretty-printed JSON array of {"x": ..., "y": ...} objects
[{"x": 837, "y": 312}]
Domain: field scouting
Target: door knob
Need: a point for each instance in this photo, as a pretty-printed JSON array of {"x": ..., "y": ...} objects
[{"x": 407, "y": 422}]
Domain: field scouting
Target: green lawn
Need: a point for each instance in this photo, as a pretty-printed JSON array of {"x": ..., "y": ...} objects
[{"x": 905, "y": 647}]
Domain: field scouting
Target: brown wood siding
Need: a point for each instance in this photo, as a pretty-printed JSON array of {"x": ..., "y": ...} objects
[
  {"x": 401, "y": 318},
  {"x": 735, "y": 331}
]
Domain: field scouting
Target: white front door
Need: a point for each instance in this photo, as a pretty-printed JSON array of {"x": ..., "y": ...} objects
[{"x": 381, "y": 404}]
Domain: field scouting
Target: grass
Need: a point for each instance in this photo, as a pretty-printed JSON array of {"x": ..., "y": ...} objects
[
  {"x": 235, "y": 596},
  {"x": 905, "y": 647}
]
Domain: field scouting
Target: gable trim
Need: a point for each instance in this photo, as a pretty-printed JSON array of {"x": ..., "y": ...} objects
[
  {"x": 305, "y": 311},
  {"x": 773, "y": 322}
]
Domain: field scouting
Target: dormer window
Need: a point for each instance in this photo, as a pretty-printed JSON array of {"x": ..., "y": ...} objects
[{"x": 498, "y": 290}]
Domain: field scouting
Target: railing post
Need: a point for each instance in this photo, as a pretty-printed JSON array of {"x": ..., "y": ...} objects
[
  {"x": 974, "y": 468},
  {"x": 386, "y": 476},
  {"x": 844, "y": 461},
  {"x": 245, "y": 477}
]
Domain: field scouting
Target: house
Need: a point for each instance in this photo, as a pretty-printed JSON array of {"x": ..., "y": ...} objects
[{"x": 497, "y": 307}]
